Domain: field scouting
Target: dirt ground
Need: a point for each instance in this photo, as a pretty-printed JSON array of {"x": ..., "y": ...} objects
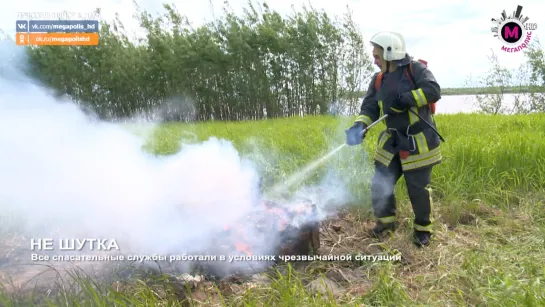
[{"x": 340, "y": 235}]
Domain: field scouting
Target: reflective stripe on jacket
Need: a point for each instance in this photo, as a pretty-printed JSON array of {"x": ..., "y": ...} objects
[{"x": 421, "y": 142}]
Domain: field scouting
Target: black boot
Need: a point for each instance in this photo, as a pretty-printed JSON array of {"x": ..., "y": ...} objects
[
  {"x": 422, "y": 238},
  {"x": 381, "y": 227}
]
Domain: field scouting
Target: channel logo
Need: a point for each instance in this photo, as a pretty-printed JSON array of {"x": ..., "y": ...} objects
[{"x": 515, "y": 32}]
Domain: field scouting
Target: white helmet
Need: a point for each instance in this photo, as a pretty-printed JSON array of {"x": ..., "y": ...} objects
[{"x": 393, "y": 44}]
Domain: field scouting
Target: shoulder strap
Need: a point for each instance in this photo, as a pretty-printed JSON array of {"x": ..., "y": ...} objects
[
  {"x": 378, "y": 80},
  {"x": 409, "y": 72}
]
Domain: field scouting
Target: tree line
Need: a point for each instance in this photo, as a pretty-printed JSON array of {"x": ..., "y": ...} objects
[
  {"x": 524, "y": 84},
  {"x": 258, "y": 65},
  {"x": 255, "y": 66}
]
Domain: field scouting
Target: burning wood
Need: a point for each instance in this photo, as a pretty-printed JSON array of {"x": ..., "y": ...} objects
[
  {"x": 273, "y": 229},
  {"x": 294, "y": 226}
]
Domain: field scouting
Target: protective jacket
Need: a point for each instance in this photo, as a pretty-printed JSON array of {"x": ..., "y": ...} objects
[{"x": 404, "y": 132}]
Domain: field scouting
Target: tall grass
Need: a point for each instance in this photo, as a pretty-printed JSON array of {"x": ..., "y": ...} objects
[
  {"x": 494, "y": 157},
  {"x": 489, "y": 200}
]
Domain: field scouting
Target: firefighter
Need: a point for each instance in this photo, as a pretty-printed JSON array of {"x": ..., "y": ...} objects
[{"x": 409, "y": 145}]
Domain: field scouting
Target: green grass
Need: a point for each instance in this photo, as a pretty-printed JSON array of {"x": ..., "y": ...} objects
[{"x": 489, "y": 249}]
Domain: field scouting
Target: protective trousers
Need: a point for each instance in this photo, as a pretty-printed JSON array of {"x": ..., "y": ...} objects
[{"x": 418, "y": 188}]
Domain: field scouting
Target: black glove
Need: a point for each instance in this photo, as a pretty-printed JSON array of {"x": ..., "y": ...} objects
[
  {"x": 354, "y": 134},
  {"x": 396, "y": 106}
]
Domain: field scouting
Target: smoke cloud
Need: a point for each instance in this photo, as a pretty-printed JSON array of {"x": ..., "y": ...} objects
[{"x": 71, "y": 176}]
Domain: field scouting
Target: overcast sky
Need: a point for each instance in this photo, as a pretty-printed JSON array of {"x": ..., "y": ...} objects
[{"x": 454, "y": 36}]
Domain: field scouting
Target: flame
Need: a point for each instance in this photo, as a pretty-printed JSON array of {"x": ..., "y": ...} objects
[
  {"x": 278, "y": 218},
  {"x": 282, "y": 218},
  {"x": 243, "y": 247},
  {"x": 239, "y": 232}
]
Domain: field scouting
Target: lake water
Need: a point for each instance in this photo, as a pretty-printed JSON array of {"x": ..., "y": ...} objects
[
  {"x": 460, "y": 104},
  {"x": 466, "y": 103}
]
